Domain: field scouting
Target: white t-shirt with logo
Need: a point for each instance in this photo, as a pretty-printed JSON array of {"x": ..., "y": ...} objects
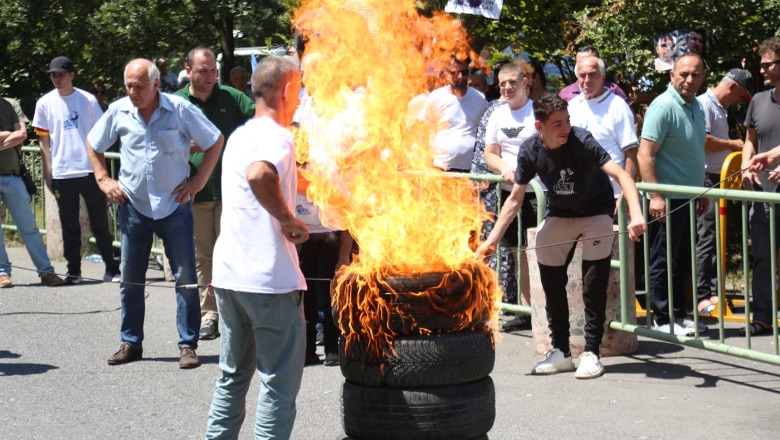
[
  {"x": 509, "y": 129},
  {"x": 251, "y": 254},
  {"x": 68, "y": 119},
  {"x": 455, "y": 122},
  {"x": 610, "y": 120}
]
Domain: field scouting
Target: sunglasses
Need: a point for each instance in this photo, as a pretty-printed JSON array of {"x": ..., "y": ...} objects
[
  {"x": 463, "y": 72},
  {"x": 768, "y": 64}
]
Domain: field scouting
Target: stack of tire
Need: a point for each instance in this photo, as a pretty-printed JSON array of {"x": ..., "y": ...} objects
[{"x": 431, "y": 380}]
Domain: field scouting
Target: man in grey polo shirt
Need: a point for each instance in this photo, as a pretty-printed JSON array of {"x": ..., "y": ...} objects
[{"x": 732, "y": 89}]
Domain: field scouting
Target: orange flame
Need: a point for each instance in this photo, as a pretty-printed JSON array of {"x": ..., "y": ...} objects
[{"x": 372, "y": 173}]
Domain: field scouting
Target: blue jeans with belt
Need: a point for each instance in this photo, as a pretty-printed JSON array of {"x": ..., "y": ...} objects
[
  {"x": 13, "y": 194},
  {"x": 176, "y": 232}
]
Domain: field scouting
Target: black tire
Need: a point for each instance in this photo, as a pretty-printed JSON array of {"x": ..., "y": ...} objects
[
  {"x": 413, "y": 304},
  {"x": 421, "y": 361},
  {"x": 459, "y": 412}
]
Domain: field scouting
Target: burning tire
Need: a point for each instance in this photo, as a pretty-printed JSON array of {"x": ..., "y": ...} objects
[
  {"x": 446, "y": 413},
  {"x": 413, "y": 304},
  {"x": 421, "y": 361}
]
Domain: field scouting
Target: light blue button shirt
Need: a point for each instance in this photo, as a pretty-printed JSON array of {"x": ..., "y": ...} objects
[{"x": 155, "y": 157}]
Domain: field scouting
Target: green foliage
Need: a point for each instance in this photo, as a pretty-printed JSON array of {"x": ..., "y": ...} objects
[{"x": 100, "y": 37}]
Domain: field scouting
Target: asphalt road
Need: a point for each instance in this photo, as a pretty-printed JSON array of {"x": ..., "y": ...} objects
[{"x": 55, "y": 383}]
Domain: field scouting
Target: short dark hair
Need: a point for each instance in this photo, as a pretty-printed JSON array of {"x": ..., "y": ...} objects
[
  {"x": 588, "y": 49},
  {"x": 548, "y": 104},
  {"x": 270, "y": 75},
  {"x": 191, "y": 54},
  {"x": 770, "y": 45}
]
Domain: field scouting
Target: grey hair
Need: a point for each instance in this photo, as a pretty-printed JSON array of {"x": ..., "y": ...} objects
[
  {"x": 270, "y": 75},
  {"x": 151, "y": 70},
  {"x": 602, "y": 67}
]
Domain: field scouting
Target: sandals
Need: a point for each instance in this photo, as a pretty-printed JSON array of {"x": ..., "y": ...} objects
[{"x": 756, "y": 328}]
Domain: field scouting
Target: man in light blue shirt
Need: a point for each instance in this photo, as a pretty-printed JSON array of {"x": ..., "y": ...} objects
[{"x": 156, "y": 131}]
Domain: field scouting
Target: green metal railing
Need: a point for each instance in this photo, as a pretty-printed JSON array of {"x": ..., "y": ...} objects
[
  {"x": 624, "y": 264},
  {"x": 31, "y": 156}
]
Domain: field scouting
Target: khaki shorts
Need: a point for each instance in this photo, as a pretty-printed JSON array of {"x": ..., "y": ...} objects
[{"x": 566, "y": 231}]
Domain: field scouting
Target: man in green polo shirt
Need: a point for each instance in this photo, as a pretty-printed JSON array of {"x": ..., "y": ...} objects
[
  {"x": 671, "y": 152},
  {"x": 227, "y": 108}
]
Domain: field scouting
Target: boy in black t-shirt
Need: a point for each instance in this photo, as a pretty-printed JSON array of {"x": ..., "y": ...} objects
[{"x": 575, "y": 169}]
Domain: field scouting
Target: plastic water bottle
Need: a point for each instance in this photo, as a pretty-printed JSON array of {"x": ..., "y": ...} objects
[{"x": 94, "y": 258}]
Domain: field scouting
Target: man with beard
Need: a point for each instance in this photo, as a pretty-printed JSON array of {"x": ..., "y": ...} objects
[
  {"x": 763, "y": 134},
  {"x": 453, "y": 112}
]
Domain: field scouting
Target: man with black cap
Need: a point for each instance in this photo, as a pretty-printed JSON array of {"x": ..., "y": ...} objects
[
  {"x": 63, "y": 117},
  {"x": 732, "y": 89}
]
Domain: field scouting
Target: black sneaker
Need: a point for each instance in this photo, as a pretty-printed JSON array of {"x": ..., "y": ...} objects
[
  {"x": 517, "y": 322},
  {"x": 73, "y": 278},
  {"x": 111, "y": 276},
  {"x": 209, "y": 330},
  {"x": 331, "y": 360}
]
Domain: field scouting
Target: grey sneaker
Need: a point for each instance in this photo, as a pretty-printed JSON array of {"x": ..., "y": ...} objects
[
  {"x": 689, "y": 324},
  {"x": 554, "y": 362},
  {"x": 590, "y": 366},
  {"x": 678, "y": 329},
  {"x": 209, "y": 330}
]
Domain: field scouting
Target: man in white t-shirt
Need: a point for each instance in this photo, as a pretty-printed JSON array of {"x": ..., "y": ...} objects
[
  {"x": 605, "y": 115},
  {"x": 63, "y": 117},
  {"x": 256, "y": 276},
  {"x": 453, "y": 111},
  {"x": 508, "y": 127}
]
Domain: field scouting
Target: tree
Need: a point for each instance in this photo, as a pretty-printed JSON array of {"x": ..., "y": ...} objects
[{"x": 100, "y": 37}]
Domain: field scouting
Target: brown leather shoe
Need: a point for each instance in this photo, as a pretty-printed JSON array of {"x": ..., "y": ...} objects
[
  {"x": 188, "y": 358},
  {"x": 5, "y": 281},
  {"x": 127, "y": 353},
  {"x": 52, "y": 280}
]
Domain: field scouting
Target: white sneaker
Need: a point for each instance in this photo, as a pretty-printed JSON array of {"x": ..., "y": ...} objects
[
  {"x": 590, "y": 366},
  {"x": 689, "y": 324},
  {"x": 554, "y": 362},
  {"x": 678, "y": 329}
]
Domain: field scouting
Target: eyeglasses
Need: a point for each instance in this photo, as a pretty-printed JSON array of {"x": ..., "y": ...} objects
[
  {"x": 768, "y": 64},
  {"x": 463, "y": 72}
]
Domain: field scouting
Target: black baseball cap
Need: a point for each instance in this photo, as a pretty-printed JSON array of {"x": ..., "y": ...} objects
[
  {"x": 60, "y": 65},
  {"x": 743, "y": 78}
]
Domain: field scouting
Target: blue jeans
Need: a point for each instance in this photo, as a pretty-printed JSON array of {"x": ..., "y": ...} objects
[
  {"x": 176, "y": 232},
  {"x": 266, "y": 333},
  {"x": 13, "y": 195}
]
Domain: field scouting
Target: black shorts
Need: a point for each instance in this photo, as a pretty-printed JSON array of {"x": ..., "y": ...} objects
[{"x": 528, "y": 214}]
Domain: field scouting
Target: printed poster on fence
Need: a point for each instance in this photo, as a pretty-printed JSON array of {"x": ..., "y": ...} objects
[{"x": 487, "y": 8}]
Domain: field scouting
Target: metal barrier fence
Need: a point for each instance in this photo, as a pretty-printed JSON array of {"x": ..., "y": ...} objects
[
  {"x": 31, "y": 156},
  {"x": 32, "y": 159},
  {"x": 741, "y": 347}
]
